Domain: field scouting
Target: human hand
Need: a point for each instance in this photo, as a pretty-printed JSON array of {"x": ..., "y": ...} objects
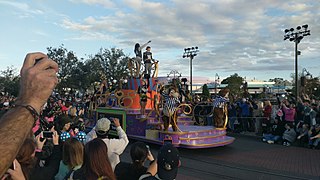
[
  {"x": 150, "y": 156},
  {"x": 39, "y": 142},
  {"x": 55, "y": 138},
  {"x": 76, "y": 130},
  {"x": 16, "y": 173},
  {"x": 38, "y": 79},
  {"x": 116, "y": 122}
]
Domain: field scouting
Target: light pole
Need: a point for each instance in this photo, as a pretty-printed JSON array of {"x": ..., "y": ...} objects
[
  {"x": 190, "y": 52},
  {"x": 216, "y": 82},
  {"x": 296, "y": 35}
]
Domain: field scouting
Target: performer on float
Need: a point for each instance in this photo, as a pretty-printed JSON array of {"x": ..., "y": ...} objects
[
  {"x": 138, "y": 53},
  {"x": 170, "y": 107},
  {"x": 142, "y": 91},
  {"x": 147, "y": 58},
  {"x": 220, "y": 113}
]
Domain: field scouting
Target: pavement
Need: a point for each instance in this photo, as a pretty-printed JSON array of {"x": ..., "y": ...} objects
[{"x": 247, "y": 158}]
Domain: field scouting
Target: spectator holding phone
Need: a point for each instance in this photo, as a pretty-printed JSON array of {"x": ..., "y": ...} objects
[
  {"x": 29, "y": 163},
  {"x": 168, "y": 163},
  {"x": 38, "y": 74},
  {"x": 115, "y": 146},
  {"x": 139, "y": 153}
]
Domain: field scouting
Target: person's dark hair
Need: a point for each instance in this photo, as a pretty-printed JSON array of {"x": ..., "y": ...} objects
[
  {"x": 136, "y": 46},
  {"x": 72, "y": 154},
  {"x": 138, "y": 153},
  {"x": 25, "y": 158},
  {"x": 96, "y": 162}
]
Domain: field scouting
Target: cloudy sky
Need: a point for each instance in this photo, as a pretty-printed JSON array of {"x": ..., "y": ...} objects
[{"x": 234, "y": 36}]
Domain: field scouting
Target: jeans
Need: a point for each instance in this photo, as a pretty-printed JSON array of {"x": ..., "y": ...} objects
[
  {"x": 244, "y": 123},
  {"x": 231, "y": 122},
  {"x": 147, "y": 68},
  {"x": 271, "y": 137}
]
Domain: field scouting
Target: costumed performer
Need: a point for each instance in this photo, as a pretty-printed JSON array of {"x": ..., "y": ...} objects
[
  {"x": 170, "y": 107},
  {"x": 219, "y": 108}
]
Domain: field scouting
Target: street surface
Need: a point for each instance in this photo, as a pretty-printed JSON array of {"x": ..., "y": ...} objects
[{"x": 247, "y": 158}]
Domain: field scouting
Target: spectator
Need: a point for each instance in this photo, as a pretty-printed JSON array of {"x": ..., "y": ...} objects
[
  {"x": 96, "y": 164},
  {"x": 232, "y": 115},
  {"x": 289, "y": 112},
  {"x": 139, "y": 153},
  {"x": 303, "y": 135},
  {"x": 29, "y": 163},
  {"x": 275, "y": 133},
  {"x": 72, "y": 158},
  {"x": 289, "y": 135},
  {"x": 267, "y": 116},
  {"x": 168, "y": 162},
  {"x": 115, "y": 146},
  {"x": 314, "y": 139},
  {"x": 245, "y": 113},
  {"x": 258, "y": 115},
  {"x": 38, "y": 74}
]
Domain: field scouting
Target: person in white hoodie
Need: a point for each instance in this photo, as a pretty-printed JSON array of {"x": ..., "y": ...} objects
[{"x": 115, "y": 146}]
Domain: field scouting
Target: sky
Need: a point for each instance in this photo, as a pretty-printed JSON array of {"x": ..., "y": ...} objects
[{"x": 233, "y": 36}]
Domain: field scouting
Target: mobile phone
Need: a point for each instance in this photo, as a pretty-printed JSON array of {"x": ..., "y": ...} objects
[
  {"x": 148, "y": 147},
  {"x": 13, "y": 167},
  {"x": 47, "y": 134}
]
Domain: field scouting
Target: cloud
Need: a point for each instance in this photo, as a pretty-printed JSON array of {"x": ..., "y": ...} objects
[
  {"x": 104, "y": 3},
  {"x": 24, "y": 9},
  {"x": 232, "y": 35}
]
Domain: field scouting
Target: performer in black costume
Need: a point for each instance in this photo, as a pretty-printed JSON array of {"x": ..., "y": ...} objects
[{"x": 142, "y": 91}]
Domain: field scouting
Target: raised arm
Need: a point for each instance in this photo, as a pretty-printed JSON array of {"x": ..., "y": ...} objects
[
  {"x": 144, "y": 45},
  {"x": 38, "y": 79}
]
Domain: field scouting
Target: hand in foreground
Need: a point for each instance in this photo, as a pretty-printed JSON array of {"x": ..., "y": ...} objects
[
  {"x": 116, "y": 122},
  {"x": 150, "y": 156},
  {"x": 55, "y": 138},
  {"x": 16, "y": 173},
  {"x": 38, "y": 79},
  {"x": 39, "y": 142}
]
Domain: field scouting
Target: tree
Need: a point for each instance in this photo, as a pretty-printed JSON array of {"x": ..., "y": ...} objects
[
  {"x": 67, "y": 62},
  {"x": 114, "y": 66},
  {"x": 9, "y": 82},
  {"x": 234, "y": 83}
]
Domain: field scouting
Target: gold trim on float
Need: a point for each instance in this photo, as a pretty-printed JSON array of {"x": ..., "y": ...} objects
[
  {"x": 221, "y": 128},
  {"x": 202, "y": 137},
  {"x": 208, "y": 145},
  {"x": 186, "y": 132}
]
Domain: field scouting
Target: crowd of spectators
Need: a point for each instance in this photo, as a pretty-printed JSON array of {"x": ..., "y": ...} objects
[
  {"x": 45, "y": 137},
  {"x": 278, "y": 121},
  {"x": 62, "y": 147}
]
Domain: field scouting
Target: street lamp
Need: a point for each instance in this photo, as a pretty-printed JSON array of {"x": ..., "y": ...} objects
[
  {"x": 296, "y": 35},
  {"x": 216, "y": 83},
  {"x": 190, "y": 52}
]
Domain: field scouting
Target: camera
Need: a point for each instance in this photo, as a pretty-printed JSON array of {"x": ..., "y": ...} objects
[{"x": 47, "y": 134}]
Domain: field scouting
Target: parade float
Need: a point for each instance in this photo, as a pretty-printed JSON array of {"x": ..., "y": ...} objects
[{"x": 125, "y": 104}]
